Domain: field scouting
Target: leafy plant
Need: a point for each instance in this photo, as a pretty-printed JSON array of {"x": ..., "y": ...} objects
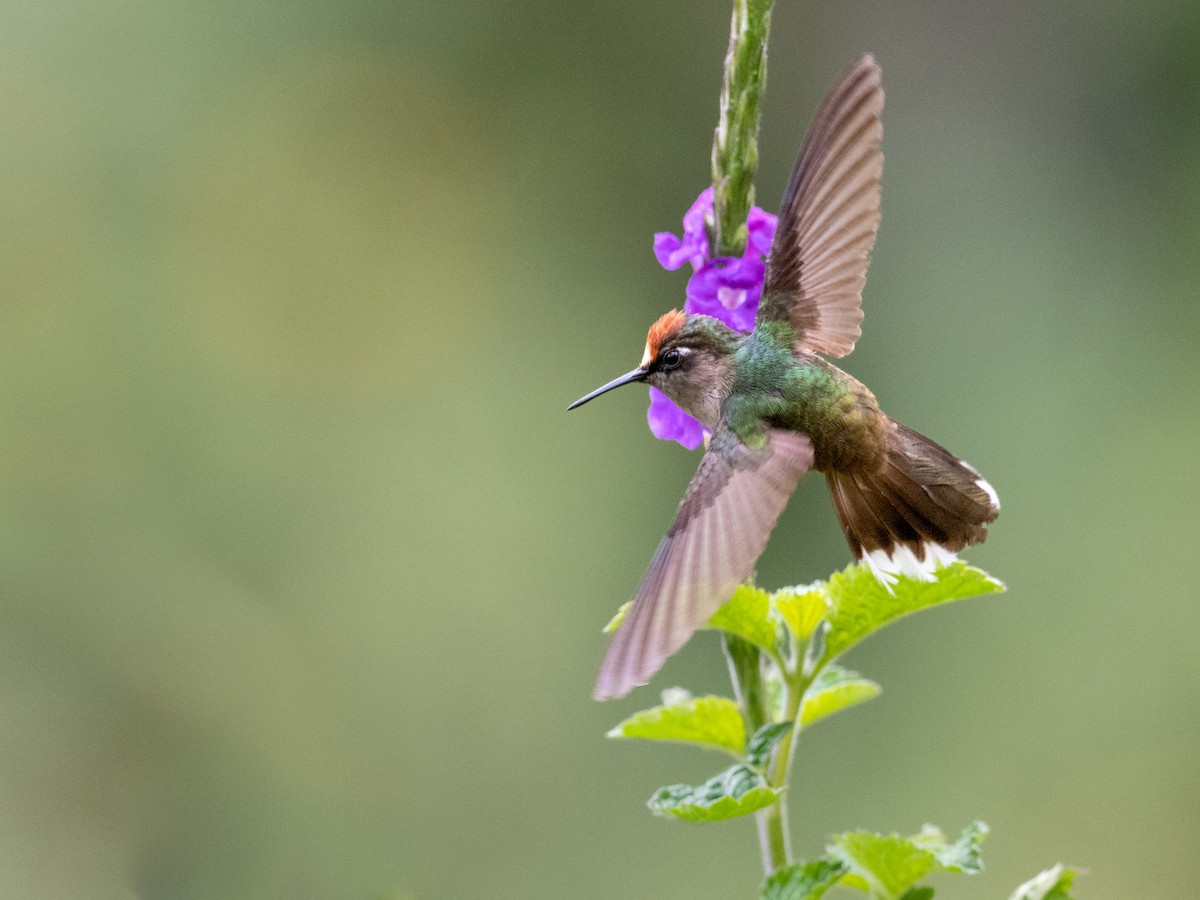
[{"x": 782, "y": 648}]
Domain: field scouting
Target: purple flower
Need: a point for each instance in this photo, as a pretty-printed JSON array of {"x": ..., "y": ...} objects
[
  {"x": 671, "y": 423},
  {"x": 672, "y": 252},
  {"x": 725, "y": 287},
  {"x": 728, "y": 289},
  {"x": 762, "y": 230}
]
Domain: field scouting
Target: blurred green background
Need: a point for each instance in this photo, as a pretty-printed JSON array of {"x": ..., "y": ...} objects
[{"x": 303, "y": 565}]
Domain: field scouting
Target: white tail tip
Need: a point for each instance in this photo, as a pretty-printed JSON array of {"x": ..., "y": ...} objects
[{"x": 886, "y": 566}]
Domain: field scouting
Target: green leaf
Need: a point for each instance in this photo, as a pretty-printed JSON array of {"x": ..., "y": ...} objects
[
  {"x": 963, "y": 855},
  {"x": 1053, "y": 884},
  {"x": 713, "y": 722},
  {"x": 885, "y": 866},
  {"x": 758, "y": 750},
  {"x": 737, "y": 791},
  {"x": 918, "y": 893},
  {"x": 888, "y": 866},
  {"x": 832, "y": 691},
  {"x": 862, "y": 605},
  {"x": 615, "y": 622},
  {"x": 748, "y": 615},
  {"x": 803, "y": 881},
  {"x": 801, "y": 608}
]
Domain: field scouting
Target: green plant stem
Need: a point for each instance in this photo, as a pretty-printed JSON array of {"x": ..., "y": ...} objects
[
  {"x": 781, "y": 761},
  {"x": 745, "y": 671},
  {"x": 735, "y": 143},
  {"x": 780, "y": 776},
  {"x": 773, "y": 837}
]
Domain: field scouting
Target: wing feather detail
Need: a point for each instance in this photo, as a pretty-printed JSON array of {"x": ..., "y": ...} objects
[
  {"x": 720, "y": 531},
  {"x": 829, "y": 218}
]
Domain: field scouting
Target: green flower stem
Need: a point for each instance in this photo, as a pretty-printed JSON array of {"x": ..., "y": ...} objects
[
  {"x": 734, "y": 162},
  {"x": 735, "y": 144}
]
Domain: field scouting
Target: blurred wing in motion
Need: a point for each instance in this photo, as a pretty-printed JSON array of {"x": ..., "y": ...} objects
[
  {"x": 829, "y": 217},
  {"x": 720, "y": 531}
]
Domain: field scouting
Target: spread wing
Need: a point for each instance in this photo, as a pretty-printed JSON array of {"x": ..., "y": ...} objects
[
  {"x": 720, "y": 531},
  {"x": 828, "y": 218}
]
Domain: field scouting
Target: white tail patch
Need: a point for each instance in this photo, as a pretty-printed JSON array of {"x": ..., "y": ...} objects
[
  {"x": 902, "y": 561},
  {"x": 982, "y": 484},
  {"x": 989, "y": 490}
]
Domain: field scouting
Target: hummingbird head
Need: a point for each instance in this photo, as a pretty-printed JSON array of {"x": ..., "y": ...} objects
[{"x": 690, "y": 359}]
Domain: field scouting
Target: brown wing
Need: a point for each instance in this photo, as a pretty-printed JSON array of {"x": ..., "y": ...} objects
[
  {"x": 829, "y": 217},
  {"x": 720, "y": 531}
]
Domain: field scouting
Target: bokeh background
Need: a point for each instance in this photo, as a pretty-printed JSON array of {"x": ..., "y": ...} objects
[{"x": 303, "y": 565}]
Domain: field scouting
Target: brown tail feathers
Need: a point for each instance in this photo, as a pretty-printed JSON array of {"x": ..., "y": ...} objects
[{"x": 915, "y": 508}]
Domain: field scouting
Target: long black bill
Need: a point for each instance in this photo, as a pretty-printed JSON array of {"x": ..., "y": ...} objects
[{"x": 627, "y": 378}]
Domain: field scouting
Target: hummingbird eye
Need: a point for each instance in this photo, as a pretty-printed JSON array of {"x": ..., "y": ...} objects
[{"x": 671, "y": 359}]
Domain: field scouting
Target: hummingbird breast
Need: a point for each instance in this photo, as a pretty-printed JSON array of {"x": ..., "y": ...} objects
[{"x": 838, "y": 413}]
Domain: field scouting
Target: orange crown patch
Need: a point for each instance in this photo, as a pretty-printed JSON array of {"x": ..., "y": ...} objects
[{"x": 666, "y": 326}]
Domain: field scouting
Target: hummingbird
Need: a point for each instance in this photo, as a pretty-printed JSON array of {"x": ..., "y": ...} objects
[{"x": 776, "y": 408}]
